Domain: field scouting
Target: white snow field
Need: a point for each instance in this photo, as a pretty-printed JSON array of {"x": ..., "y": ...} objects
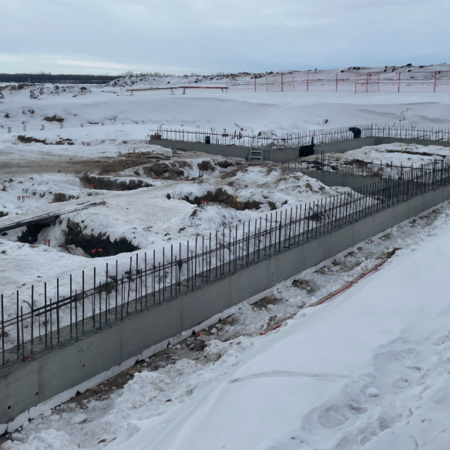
[{"x": 366, "y": 370}]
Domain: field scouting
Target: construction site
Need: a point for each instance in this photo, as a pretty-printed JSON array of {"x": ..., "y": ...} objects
[{"x": 148, "y": 236}]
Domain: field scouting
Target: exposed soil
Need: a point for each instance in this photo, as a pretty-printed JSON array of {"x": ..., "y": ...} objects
[
  {"x": 166, "y": 171},
  {"x": 111, "y": 184},
  {"x": 96, "y": 245},
  {"x": 59, "y": 197},
  {"x": 222, "y": 197},
  {"x": 225, "y": 164},
  {"x": 206, "y": 165},
  {"x": 31, "y": 140},
  {"x": 54, "y": 118},
  {"x": 409, "y": 152}
]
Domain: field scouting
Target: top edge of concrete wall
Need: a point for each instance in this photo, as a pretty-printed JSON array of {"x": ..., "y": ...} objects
[{"x": 274, "y": 155}]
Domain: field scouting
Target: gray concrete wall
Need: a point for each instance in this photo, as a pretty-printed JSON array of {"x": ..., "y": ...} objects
[
  {"x": 289, "y": 155},
  {"x": 25, "y": 385},
  {"x": 345, "y": 146},
  {"x": 232, "y": 151},
  {"x": 340, "y": 179},
  {"x": 425, "y": 142}
]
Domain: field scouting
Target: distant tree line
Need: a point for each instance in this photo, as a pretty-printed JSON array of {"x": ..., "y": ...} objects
[{"x": 57, "y": 79}]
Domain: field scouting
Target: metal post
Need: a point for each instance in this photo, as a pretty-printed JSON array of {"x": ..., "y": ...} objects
[
  {"x": 70, "y": 303},
  {"x": 45, "y": 313},
  {"x": 76, "y": 317},
  {"x": 57, "y": 308},
  {"x": 3, "y": 330},
  {"x": 100, "y": 304},
  {"x": 32, "y": 317},
  {"x": 82, "y": 300},
  {"x": 17, "y": 323},
  {"x": 23, "y": 338}
]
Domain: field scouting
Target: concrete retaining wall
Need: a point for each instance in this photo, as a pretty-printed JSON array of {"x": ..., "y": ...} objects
[
  {"x": 232, "y": 151},
  {"x": 340, "y": 179},
  {"x": 25, "y": 385},
  {"x": 236, "y": 151}
]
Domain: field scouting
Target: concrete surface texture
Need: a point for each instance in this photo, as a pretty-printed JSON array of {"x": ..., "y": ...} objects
[{"x": 23, "y": 386}]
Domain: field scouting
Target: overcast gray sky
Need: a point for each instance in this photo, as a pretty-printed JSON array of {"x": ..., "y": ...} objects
[{"x": 208, "y": 36}]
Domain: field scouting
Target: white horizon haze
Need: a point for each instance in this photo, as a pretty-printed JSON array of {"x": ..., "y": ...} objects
[{"x": 181, "y": 37}]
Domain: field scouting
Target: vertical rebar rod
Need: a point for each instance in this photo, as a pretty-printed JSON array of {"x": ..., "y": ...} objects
[
  {"x": 100, "y": 305},
  {"x": 145, "y": 271},
  {"x": 76, "y": 316},
  {"x": 32, "y": 318},
  {"x": 82, "y": 301},
  {"x": 154, "y": 276},
  {"x": 45, "y": 312},
  {"x": 70, "y": 304},
  {"x": 57, "y": 309},
  {"x": 159, "y": 282},
  {"x": 17, "y": 327},
  {"x": 187, "y": 265},
  {"x": 3, "y": 330},
  {"x": 51, "y": 325},
  {"x": 106, "y": 292},
  {"x": 210, "y": 257},
  {"x": 136, "y": 292},
  {"x": 195, "y": 262},
  {"x": 164, "y": 272},
  {"x": 121, "y": 299},
  {"x": 23, "y": 338},
  {"x": 171, "y": 269},
  {"x": 93, "y": 301},
  {"x": 117, "y": 284}
]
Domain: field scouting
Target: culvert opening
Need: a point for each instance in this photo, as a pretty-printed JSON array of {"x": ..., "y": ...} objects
[
  {"x": 112, "y": 184},
  {"x": 96, "y": 245}
]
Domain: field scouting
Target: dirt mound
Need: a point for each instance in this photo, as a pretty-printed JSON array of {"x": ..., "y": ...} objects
[
  {"x": 54, "y": 118},
  {"x": 111, "y": 184},
  {"x": 164, "y": 170},
  {"x": 206, "y": 165},
  {"x": 222, "y": 197},
  {"x": 60, "y": 197},
  {"x": 225, "y": 164},
  {"x": 30, "y": 140},
  {"x": 96, "y": 245}
]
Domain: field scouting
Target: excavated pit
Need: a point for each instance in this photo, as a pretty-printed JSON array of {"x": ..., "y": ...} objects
[
  {"x": 111, "y": 184},
  {"x": 167, "y": 171},
  {"x": 222, "y": 197},
  {"x": 96, "y": 245},
  {"x": 31, "y": 233}
]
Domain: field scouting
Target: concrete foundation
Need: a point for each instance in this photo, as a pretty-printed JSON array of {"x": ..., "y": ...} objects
[
  {"x": 271, "y": 155},
  {"x": 44, "y": 376}
]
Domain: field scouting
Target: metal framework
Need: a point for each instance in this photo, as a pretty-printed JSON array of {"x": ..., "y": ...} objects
[
  {"x": 49, "y": 322},
  {"x": 286, "y": 141}
]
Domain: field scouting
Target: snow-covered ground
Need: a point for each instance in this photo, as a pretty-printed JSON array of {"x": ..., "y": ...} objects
[
  {"x": 310, "y": 381},
  {"x": 397, "y": 154},
  {"x": 366, "y": 370},
  {"x": 387, "y": 160}
]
